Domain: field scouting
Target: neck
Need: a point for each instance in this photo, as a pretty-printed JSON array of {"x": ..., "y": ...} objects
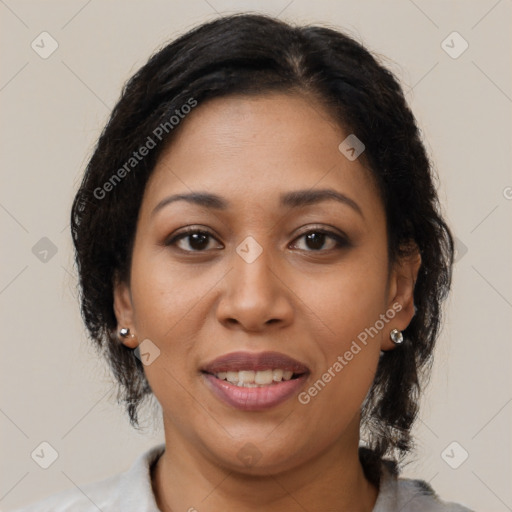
[{"x": 334, "y": 480}]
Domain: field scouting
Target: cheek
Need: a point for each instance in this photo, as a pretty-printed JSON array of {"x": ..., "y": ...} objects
[
  {"x": 166, "y": 302},
  {"x": 349, "y": 300},
  {"x": 164, "y": 295},
  {"x": 351, "y": 351},
  {"x": 166, "y": 305},
  {"x": 348, "y": 307}
]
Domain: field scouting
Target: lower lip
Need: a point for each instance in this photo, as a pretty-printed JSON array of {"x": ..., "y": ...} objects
[{"x": 255, "y": 399}]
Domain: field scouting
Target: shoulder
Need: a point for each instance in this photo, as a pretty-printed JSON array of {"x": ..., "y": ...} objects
[
  {"x": 404, "y": 494},
  {"x": 418, "y": 496},
  {"x": 411, "y": 495},
  {"x": 100, "y": 495},
  {"x": 128, "y": 491}
]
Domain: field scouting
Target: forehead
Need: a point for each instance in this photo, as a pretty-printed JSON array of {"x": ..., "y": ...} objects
[{"x": 247, "y": 147}]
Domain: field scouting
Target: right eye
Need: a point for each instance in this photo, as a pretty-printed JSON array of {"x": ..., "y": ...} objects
[{"x": 192, "y": 240}]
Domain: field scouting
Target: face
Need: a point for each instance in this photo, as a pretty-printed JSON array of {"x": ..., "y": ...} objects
[{"x": 279, "y": 267}]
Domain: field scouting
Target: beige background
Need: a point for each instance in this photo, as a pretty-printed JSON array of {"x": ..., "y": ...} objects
[{"x": 54, "y": 388}]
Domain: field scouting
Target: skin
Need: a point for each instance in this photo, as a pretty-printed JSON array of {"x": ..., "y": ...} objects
[{"x": 307, "y": 301}]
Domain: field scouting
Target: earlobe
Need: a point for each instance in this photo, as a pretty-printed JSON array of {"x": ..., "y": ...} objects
[
  {"x": 401, "y": 294},
  {"x": 123, "y": 310}
]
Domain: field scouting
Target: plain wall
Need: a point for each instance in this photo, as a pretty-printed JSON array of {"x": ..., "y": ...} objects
[{"x": 54, "y": 387}]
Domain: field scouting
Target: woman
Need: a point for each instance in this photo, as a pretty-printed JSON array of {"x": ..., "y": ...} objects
[{"x": 260, "y": 247}]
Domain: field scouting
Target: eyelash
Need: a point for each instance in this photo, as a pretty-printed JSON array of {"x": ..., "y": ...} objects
[{"x": 341, "y": 242}]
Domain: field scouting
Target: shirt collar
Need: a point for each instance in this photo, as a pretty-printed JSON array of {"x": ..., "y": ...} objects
[{"x": 136, "y": 490}]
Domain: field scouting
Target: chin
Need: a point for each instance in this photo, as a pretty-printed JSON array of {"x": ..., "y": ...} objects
[{"x": 256, "y": 456}]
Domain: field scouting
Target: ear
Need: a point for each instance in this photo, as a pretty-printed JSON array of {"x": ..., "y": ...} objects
[
  {"x": 401, "y": 293},
  {"x": 123, "y": 309}
]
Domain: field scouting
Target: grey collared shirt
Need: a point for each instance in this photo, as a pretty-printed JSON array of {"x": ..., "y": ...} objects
[{"x": 132, "y": 491}]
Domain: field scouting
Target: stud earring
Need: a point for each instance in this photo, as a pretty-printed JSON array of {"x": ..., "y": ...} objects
[
  {"x": 396, "y": 336},
  {"x": 124, "y": 332}
]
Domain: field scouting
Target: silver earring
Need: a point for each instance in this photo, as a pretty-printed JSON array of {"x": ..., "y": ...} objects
[
  {"x": 396, "y": 336},
  {"x": 124, "y": 332}
]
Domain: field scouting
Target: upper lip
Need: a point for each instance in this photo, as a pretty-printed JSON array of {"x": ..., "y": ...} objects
[{"x": 255, "y": 361}]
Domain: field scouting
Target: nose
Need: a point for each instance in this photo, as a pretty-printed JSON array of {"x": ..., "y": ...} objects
[{"x": 255, "y": 296}]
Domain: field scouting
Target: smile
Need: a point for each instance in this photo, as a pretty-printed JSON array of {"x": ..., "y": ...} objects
[
  {"x": 254, "y": 382},
  {"x": 252, "y": 379}
]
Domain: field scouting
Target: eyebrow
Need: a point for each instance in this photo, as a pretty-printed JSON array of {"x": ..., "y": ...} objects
[{"x": 294, "y": 199}]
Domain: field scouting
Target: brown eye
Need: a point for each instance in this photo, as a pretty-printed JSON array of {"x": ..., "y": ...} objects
[
  {"x": 192, "y": 240},
  {"x": 318, "y": 240}
]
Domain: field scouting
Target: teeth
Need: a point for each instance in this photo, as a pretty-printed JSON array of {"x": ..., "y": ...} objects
[
  {"x": 232, "y": 377},
  {"x": 246, "y": 377},
  {"x": 264, "y": 377},
  {"x": 277, "y": 375},
  {"x": 252, "y": 379}
]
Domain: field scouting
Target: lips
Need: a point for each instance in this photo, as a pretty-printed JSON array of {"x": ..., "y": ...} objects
[
  {"x": 237, "y": 361},
  {"x": 247, "y": 366}
]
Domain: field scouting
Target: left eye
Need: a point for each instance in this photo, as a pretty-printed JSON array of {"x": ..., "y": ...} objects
[{"x": 316, "y": 240}]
